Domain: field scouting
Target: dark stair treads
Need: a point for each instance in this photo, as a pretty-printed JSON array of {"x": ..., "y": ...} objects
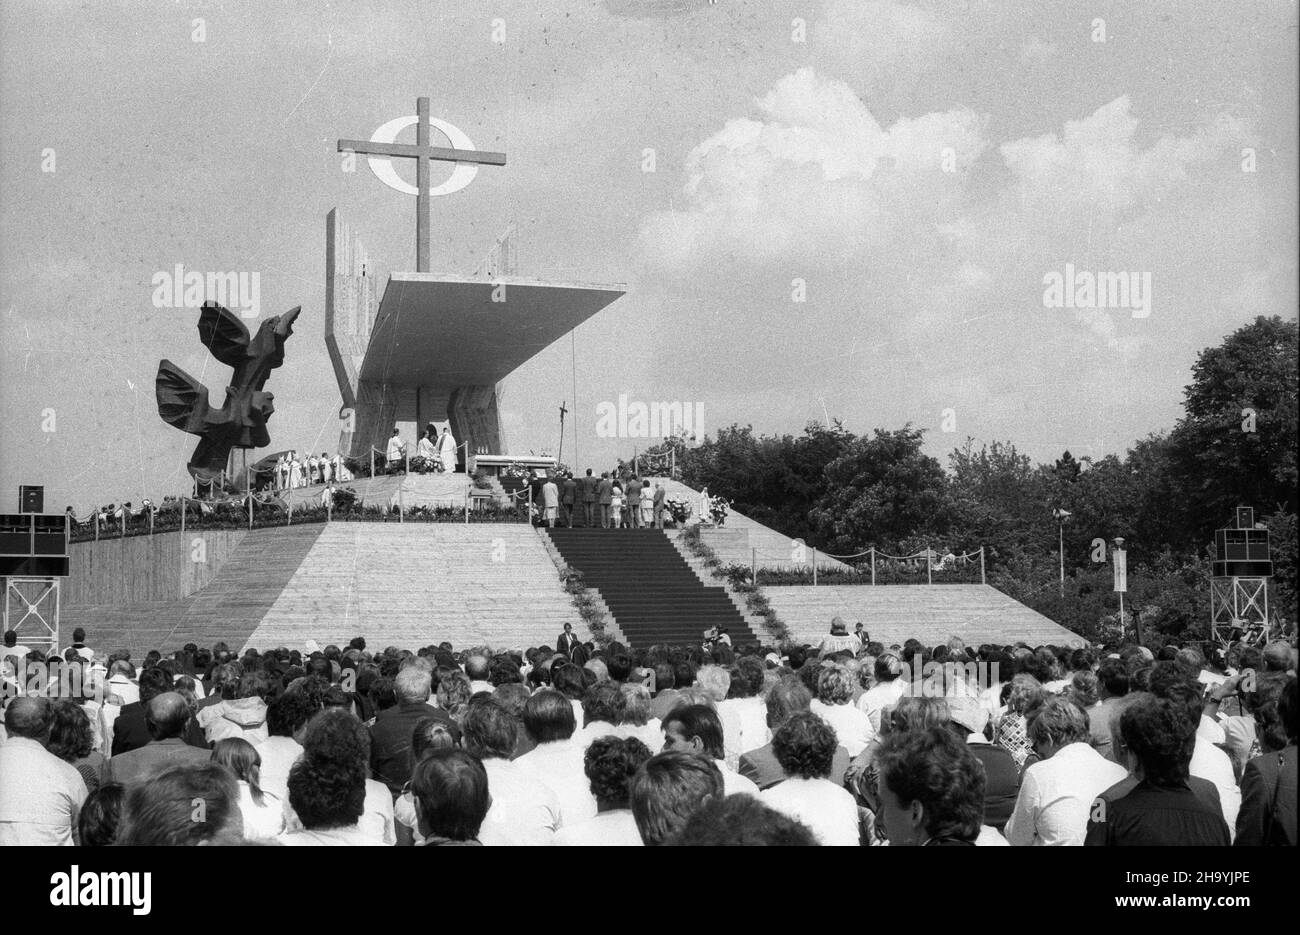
[{"x": 652, "y": 593}]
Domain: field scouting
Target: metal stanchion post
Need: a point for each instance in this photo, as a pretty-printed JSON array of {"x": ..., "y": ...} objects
[
  {"x": 873, "y": 564},
  {"x": 929, "y": 571},
  {"x": 814, "y": 566},
  {"x": 982, "y": 581}
]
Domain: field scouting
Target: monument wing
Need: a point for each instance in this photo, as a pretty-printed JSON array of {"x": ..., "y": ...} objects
[
  {"x": 182, "y": 400},
  {"x": 223, "y": 334}
]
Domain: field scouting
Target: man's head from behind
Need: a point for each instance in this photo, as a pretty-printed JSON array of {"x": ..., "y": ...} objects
[
  {"x": 182, "y": 805},
  {"x": 154, "y": 681},
  {"x": 166, "y": 715},
  {"x": 413, "y": 685},
  {"x": 667, "y": 790},
  {"x": 787, "y": 697},
  {"x": 548, "y": 716},
  {"x": 1159, "y": 737},
  {"x": 741, "y": 821},
  {"x": 490, "y": 731},
  {"x": 477, "y": 667},
  {"x": 1277, "y": 656},
  {"x": 29, "y": 717}
]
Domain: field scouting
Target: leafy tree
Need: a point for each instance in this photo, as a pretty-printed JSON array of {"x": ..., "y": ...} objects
[
  {"x": 1237, "y": 442},
  {"x": 880, "y": 491}
]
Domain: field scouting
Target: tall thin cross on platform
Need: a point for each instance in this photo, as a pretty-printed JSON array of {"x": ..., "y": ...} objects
[
  {"x": 560, "y": 454},
  {"x": 423, "y": 154}
]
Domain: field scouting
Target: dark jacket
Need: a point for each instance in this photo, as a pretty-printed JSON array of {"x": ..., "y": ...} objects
[
  {"x": 1268, "y": 800},
  {"x": 761, "y": 767},
  {"x": 390, "y": 741},
  {"x": 605, "y": 490},
  {"x": 589, "y": 484},
  {"x": 137, "y": 765},
  {"x": 569, "y": 490}
]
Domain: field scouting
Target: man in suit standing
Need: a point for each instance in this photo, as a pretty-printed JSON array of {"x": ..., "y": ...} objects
[
  {"x": 605, "y": 493},
  {"x": 633, "y": 489},
  {"x": 589, "y": 485},
  {"x": 167, "y": 716},
  {"x": 550, "y": 502},
  {"x": 659, "y": 506},
  {"x": 567, "y": 642},
  {"x": 568, "y": 496}
]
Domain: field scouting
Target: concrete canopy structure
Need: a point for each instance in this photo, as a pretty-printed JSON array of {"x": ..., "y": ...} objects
[{"x": 436, "y": 347}]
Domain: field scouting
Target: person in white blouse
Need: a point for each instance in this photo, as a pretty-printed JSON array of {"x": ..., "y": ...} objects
[
  {"x": 609, "y": 763},
  {"x": 263, "y": 811},
  {"x": 891, "y": 684},
  {"x": 834, "y": 704},
  {"x": 805, "y": 747},
  {"x": 1057, "y": 792},
  {"x": 524, "y": 810}
]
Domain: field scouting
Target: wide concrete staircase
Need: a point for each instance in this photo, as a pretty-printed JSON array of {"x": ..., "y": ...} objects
[
  {"x": 977, "y": 613},
  {"x": 402, "y": 584},
  {"x": 652, "y": 593},
  {"x": 413, "y": 584}
]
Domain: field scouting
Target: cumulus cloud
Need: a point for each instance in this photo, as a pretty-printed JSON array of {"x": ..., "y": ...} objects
[
  {"x": 1095, "y": 162},
  {"x": 814, "y": 177}
]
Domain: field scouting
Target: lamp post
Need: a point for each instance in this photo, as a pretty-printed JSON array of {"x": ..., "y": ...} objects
[{"x": 1061, "y": 517}]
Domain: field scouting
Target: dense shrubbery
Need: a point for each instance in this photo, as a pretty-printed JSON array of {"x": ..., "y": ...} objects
[{"x": 1235, "y": 444}]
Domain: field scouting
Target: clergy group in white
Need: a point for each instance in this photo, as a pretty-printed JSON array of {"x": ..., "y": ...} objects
[
  {"x": 437, "y": 450},
  {"x": 292, "y": 472}
]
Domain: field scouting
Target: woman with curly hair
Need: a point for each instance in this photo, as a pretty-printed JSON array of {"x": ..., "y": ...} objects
[
  {"x": 329, "y": 788},
  {"x": 931, "y": 789},
  {"x": 73, "y": 740},
  {"x": 805, "y": 747},
  {"x": 610, "y": 763},
  {"x": 834, "y": 704}
]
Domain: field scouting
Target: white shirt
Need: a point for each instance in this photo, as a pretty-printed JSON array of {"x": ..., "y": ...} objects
[
  {"x": 1056, "y": 795},
  {"x": 524, "y": 809},
  {"x": 880, "y": 696},
  {"x": 261, "y": 821},
  {"x": 828, "y": 810},
  {"x": 852, "y": 727},
  {"x": 733, "y": 783},
  {"x": 744, "y": 727},
  {"x": 616, "y": 828},
  {"x": 1212, "y": 764},
  {"x": 278, "y": 755},
  {"x": 347, "y": 836},
  {"x": 124, "y": 688},
  {"x": 377, "y": 819},
  {"x": 558, "y": 763},
  {"x": 40, "y": 795},
  {"x": 396, "y": 447}
]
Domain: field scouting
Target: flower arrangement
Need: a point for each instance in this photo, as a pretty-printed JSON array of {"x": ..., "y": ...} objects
[
  {"x": 718, "y": 509},
  {"x": 679, "y": 508}
]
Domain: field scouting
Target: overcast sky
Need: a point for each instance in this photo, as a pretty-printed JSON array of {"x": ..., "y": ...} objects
[{"x": 912, "y": 171}]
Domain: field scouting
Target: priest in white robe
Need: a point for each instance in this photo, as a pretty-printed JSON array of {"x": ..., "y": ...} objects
[
  {"x": 427, "y": 448},
  {"x": 447, "y": 450}
]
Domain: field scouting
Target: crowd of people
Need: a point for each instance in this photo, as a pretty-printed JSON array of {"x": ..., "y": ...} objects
[
  {"x": 611, "y": 501},
  {"x": 291, "y": 472},
  {"x": 850, "y": 743}
]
